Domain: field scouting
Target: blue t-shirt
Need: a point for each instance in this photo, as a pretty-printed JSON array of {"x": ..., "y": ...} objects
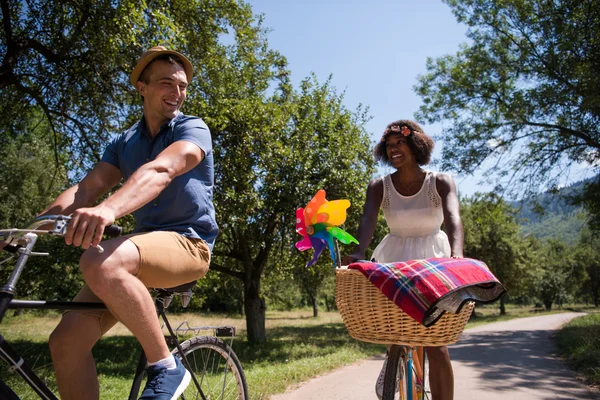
[{"x": 185, "y": 206}]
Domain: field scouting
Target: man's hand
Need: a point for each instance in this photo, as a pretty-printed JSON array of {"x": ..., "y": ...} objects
[{"x": 87, "y": 226}]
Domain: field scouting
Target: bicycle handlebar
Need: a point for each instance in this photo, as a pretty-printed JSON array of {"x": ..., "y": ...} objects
[{"x": 59, "y": 228}]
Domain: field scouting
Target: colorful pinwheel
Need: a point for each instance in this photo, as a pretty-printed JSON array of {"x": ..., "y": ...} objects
[{"x": 318, "y": 224}]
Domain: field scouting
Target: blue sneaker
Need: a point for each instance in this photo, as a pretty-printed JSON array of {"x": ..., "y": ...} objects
[{"x": 166, "y": 384}]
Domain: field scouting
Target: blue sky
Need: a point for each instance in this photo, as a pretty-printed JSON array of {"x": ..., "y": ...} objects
[{"x": 375, "y": 51}]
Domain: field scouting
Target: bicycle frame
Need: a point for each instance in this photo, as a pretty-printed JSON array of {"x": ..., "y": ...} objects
[
  {"x": 8, "y": 301},
  {"x": 409, "y": 362}
]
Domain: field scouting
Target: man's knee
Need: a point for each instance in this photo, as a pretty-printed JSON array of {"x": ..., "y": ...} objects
[
  {"x": 75, "y": 333},
  {"x": 100, "y": 270}
]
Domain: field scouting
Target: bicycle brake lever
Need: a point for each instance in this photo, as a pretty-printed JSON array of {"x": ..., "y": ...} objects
[{"x": 60, "y": 227}]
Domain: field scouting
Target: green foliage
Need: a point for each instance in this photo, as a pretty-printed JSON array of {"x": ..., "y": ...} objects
[
  {"x": 492, "y": 235},
  {"x": 552, "y": 214},
  {"x": 579, "y": 343},
  {"x": 587, "y": 258},
  {"x": 560, "y": 276},
  {"x": 274, "y": 145},
  {"x": 590, "y": 199},
  {"x": 32, "y": 174},
  {"x": 565, "y": 227},
  {"x": 70, "y": 60},
  {"x": 305, "y": 140},
  {"x": 522, "y": 93}
]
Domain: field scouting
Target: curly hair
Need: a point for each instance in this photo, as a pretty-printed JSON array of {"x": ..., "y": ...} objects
[{"x": 420, "y": 144}]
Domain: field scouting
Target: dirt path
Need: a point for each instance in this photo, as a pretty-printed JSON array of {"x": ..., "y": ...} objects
[{"x": 510, "y": 360}]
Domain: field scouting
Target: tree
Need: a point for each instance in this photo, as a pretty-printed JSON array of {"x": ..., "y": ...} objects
[
  {"x": 587, "y": 258},
  {"x": 522, "y": 95},
  {"x": 492, "y": 235},
  {"x": 274, "y": 146},
  {"x": 72, "y": 60},
  {"x": 560, "y": 276},
  {"x": 28, "y": 185},
  {"x": 297, "y": 143}
]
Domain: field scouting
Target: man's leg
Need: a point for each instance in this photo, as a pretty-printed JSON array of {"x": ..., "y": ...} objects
[
  {"x": 441, "y": 376},
  {"x": 71, "y": 348},
  {"x": 111, "y": 276}
]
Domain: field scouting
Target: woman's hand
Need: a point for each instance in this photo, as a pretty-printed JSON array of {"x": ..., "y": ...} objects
[{"x": 349, "y": 259}]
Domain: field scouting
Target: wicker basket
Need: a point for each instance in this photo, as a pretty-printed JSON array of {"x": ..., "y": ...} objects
[{"x": 371, "y": 317}]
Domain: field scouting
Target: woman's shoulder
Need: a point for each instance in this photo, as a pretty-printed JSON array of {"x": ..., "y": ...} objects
[
  {"x": 443, "y": 182},
  {"x": 376, "y": 186},
  {"x": 376, "y": 183},
  {"x": 441, "y": 176}
]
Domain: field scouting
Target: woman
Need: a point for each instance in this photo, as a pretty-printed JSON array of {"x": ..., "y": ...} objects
[{"x": 415, "y": 202}]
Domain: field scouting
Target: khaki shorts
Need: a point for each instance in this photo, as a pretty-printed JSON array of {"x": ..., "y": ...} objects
[{"x": 167, "y": 259}]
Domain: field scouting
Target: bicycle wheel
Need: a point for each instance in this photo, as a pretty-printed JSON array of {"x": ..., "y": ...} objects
[
  {"x": 421, "y": 374},
  {"x": 394, "y": 380},
  {"x": 216, "y": 368},
  {"x": 425, "y": 388},
  {"x": 6, "y": 393}
]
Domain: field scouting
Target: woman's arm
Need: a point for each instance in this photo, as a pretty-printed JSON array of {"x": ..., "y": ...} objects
[
  {"x": 368, "y": 221},
  {"x": 451, "y": 208}
]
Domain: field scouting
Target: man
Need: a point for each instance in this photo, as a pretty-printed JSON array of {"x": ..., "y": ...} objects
[{"x": 166, "y": 160}]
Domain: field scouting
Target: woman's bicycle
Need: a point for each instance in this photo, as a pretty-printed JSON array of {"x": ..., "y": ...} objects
[
  {"x": 371, "y": 317},
  {"x": 215, "y": 369}
]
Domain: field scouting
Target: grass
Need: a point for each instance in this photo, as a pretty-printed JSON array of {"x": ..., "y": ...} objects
[
  {"x": 579, "y": 344},
  {"x": 299, "y": 347},
  {"x": 490, "y": 313}
]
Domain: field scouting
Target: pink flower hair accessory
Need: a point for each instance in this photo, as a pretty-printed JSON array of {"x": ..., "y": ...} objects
[{"x": 403, "y": 130}]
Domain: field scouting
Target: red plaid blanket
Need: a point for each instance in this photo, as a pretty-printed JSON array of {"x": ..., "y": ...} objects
[{"x": 425, "y": 289}]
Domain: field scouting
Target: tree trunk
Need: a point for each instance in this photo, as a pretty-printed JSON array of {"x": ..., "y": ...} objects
[
  {"x": 255, "y": 309},
  {"x": 240, "y": 304},
  {"x": 548, "y": 305},
  {"x": 313, "y": 300},
  {"x": 328, "y": 306},
  {"x": 502, "y": 306}
]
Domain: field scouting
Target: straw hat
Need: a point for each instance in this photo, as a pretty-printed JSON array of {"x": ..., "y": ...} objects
[{"x": 154, "y": 52}]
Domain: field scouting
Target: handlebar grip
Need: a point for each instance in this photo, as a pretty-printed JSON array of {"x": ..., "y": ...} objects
[{"x": 113, "y": 230}]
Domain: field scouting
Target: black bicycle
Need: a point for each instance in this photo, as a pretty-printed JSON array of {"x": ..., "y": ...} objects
[{"x": 216, "y": 371}]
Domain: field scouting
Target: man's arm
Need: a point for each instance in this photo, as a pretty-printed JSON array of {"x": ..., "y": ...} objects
[
  {"x": 96, "y": 183},
  {"x": 143, "y": 186},
  {"x": 451, "y": 208}
]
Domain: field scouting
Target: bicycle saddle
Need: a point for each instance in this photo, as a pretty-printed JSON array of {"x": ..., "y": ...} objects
[{"x": 179, "y": 289}]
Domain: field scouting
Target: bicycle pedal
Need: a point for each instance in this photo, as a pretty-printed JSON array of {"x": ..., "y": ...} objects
[{"x": 185, "y": 299}]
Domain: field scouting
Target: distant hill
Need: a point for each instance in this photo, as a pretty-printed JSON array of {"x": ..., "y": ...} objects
[{"x": 549, "y": 215}]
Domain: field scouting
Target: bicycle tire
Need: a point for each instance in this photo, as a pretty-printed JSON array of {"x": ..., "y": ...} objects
[
  {"x": 394, "y": 372},
  {"x": 216, "y": 368},
  {"x": 6, "y": 392}
]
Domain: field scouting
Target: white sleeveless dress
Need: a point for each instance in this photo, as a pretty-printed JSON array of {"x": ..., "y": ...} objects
[{"x": 414, "y": 223}]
